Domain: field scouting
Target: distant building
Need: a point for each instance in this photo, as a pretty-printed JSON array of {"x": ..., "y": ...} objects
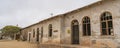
[{"x": 96, "y": 26}]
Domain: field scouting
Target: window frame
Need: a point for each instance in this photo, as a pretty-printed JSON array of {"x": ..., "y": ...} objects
[
  {"x": 50, "y": 30},
  {"x": 33, "y": 33},
  {"x": 106, "y": 21},
  {"x": 86, "y": 24}
]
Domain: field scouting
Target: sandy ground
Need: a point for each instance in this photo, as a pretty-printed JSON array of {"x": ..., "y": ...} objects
[{"x": 16, "y": 44}]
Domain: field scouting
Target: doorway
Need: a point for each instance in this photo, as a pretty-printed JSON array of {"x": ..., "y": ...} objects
[
  {"x": 29, "y": 37},
  {"x": 75, "y": 32},
  {"x": 37, "y": 35}
]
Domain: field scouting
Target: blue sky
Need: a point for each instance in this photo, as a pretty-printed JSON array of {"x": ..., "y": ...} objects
[{"x": 27, "y": 12}]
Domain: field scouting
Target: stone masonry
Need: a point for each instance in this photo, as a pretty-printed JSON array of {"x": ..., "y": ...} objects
[{"x": 62, "y": 30}]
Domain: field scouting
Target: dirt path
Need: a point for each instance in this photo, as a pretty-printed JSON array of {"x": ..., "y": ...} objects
[{"x": 16, "y": 44}]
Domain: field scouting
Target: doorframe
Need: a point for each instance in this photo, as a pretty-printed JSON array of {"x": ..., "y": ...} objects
[
  {"x": 37, "y": 35},
  {"x": 72, "y": 32},
  {"x": 29, "y": 36}
]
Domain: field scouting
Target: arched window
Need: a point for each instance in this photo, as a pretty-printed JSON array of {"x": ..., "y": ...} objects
[
  {"x": 50, "y": 30},
  {"x": 106, "y": 24},
  {"x": 33, "y": 33},
  {"x": 38, "y": 30},
  {"x": 86, "y": 26}
]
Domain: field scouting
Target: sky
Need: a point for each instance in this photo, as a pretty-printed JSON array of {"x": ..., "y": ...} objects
[{"x": 27, "y": 12}]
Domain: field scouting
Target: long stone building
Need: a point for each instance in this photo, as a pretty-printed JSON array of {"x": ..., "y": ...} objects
[{"x": 96, "y": 26}]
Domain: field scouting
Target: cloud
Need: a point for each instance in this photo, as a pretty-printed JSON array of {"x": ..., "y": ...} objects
[{"x": 26, "y": 12}]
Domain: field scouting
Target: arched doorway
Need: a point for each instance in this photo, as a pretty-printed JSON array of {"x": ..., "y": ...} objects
[
  {"x": 37, "y": 35},
  {"x": 41, "y": 34},
  {"x": 29, "y": 37},
  {"x": 75, "y": 32}
]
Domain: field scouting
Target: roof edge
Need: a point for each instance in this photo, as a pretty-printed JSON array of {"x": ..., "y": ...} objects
[{"x": 65, "y": 13}]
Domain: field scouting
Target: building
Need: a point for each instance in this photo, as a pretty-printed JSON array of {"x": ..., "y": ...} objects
[{"x": 96, "y": 25}]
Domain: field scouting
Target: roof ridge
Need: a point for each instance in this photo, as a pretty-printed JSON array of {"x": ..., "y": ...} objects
[{"x": 66, "y": 12}]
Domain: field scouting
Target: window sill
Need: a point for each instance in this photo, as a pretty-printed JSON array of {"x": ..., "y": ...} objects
[{"x": 107, "y": 36}]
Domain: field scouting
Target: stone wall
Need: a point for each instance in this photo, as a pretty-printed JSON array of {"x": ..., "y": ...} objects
[
  {"x": 62, "y": 24},
  {"x": 94, "y": 13},
  {"x": 45, "y": 24}
]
